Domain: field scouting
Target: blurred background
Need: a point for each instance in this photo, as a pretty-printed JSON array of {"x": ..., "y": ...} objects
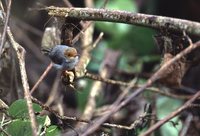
[{"x": 139, "y": 55}]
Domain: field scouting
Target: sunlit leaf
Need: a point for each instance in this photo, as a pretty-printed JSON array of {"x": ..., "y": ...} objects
[{"x": 52, "y": 131}]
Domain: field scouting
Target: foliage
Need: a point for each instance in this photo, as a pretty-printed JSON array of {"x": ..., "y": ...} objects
[
  {"x": 20, "y": 124},
  {"x": 19, "y": 109}
]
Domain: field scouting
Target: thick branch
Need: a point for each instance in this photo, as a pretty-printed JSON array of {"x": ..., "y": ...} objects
[{"x": 152, "y": 21}]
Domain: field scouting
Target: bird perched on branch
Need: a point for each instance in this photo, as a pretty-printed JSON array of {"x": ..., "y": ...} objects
[{"x": 63, "y": 57}]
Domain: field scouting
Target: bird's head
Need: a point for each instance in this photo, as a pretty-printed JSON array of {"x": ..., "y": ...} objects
[{"x": 70, "y": 53}]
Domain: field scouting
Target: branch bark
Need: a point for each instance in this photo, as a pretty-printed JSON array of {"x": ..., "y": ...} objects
[
  {"x": 20, "y": 51},
  {"x": 118, "y": 16}
]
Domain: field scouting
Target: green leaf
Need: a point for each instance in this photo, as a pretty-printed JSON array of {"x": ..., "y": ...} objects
[
  {"x": 19, "y": 109},
  {"x": 43, "y": 120},
  {"x": 52, "y": 131},
  {"x": 19, "y": 127}
]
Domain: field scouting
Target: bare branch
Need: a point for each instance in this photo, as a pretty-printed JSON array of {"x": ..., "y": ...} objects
[
  {"x": 42, "y": 77},
  {"x": 186, "y": 125},
  {"x": 86, "y": 40},
  {"x": 67, "y": 3},
  {"x": 119, "y": 104},
  {"x": 104, "y": 4},
  {"x": 4, "y": 132},
  {"x": 171, "y": 115},
  {"x": 85, "y": 57},
  {"x": 121, "y": 83},
  {"x": 20, "y": 51},
  {"x": 5, "y": 26},
  {"x": 152, "y": 21},
  {"x": 64, "y": 118}
]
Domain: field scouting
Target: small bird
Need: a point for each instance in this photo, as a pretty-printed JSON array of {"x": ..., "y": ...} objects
[{"x": 64, "y": 57}]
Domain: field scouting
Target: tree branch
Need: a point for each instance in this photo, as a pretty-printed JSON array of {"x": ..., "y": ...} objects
[
  {"x": 20, "y": 55},
  {"x": 172, "y": 115},
  {"x": 118, "y": 104},
  {"x": 42, "y": 77},
  {"x": 122, "y": 83},
  {"x": 152, "y": 21},
  {"x": 132, "y": 126},
  {"x": 5, "y": 26}
]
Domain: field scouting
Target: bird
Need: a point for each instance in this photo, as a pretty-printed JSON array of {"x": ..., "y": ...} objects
[{"x": 64, "y": 57}]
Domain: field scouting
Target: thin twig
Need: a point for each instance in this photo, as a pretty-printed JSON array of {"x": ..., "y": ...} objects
[
  {"x": 4, "y": 132},
  {"x": 121, "y": 83},
  {"x": 5, "y": 26},
  {"x": 42, "y": 77},
  {"x": 28, "y": 43},
  {"x": 64, "y": 118},
  {"x": 85, "y": 27},
  {"x": 104, "y": 4},
  {"x": 1, "y": 6},
  {"x": 97, "y": 40},
  {"x": 159, "y": 74},
  {"x": 119, "y": 16},
  {"x": 87, "y": 39},
  {"x": 194, "y": 106},
  {"x": 186, "y": 125},
  {"x": 20, "y": 51},
  {"x": 171, "y": 115},
  {"x": 67, "y": 3},
  {"x": 54, "y": 95},
  {"x": 85, "y": 57},
  {"x": 106, "y": 71},
  {"x": 102, "y": 119}
]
